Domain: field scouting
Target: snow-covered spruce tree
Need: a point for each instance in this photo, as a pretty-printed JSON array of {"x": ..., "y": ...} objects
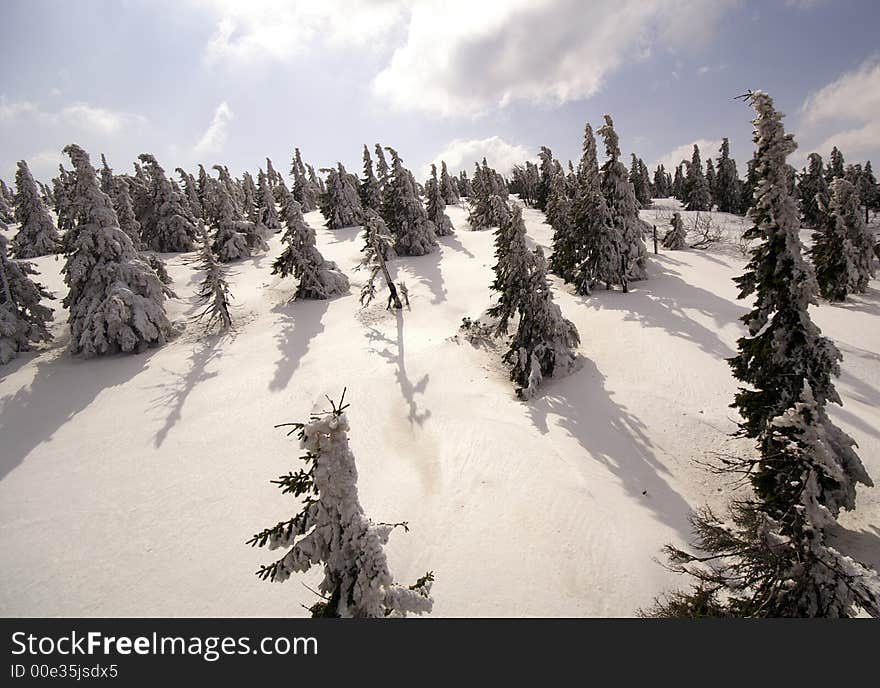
[
  {"x": 641, "y": 189},
  {"x": 369, "y": 189},
  {"x": 544, "y": 342},
  {"x": 659, "y": 188},
  {"x": 678, "y": 183},
  {"x": 547, "y": 169},
  {"x": 169, "y": 226},
  {"x": 213, "y": 296},
  {"x": 6, "y": 193},
  {"x": 266, "y": 212},
  {"x": 272, "y": 175},
  {"x": 676, "y": 238},
  {"x": 623, "y": 209},
  {"x": 106, "y": 177},
  {"x": 115, "y": 300},
  {"x": 234, "y": 238},
  {"x": 836, "y": 168},
  {"x": 249, "y": 205},
  {"x": 304, "y": 190},
  {"x": 447, "y": 186},
  {"x": 332, "y": 529},
  {"x": 727, "y": 192},
  {"x": 747, "y": 188},
  {"x": 377, "y": 249},
  {"x": 37, "y": 234},
  {"x": 696, "y": 188},
  {"x": 435, "y": 205},
  {"x": 23, "y": 319},
  {"x": 599, "y": 239},
  {"x": 784, "y": 350},
  {"x": 869, "y": 192},
  {"x": 340, "y": 203},
  {"x": 203, "y": 183},
  {"x": 568, "y": 246},
  {"x": 122, "y": 205},
  {"x": 710, "y": 180},
  {"x": 6, "y": 214},
  {"x": 413, "y": 232},
  {"x": 464, "y": 184},
  {"x": 831, "y": 251},
  {"x": 191, "y": 192},
  {"x": 316, "y": 277},
  {"x": 512, "y": 265},
  {"x": 236, "y": 193},
  {"x": 844, "y": 209}
]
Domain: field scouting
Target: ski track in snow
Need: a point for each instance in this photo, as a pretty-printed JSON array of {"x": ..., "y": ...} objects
[{"x": 129, "y": 484}]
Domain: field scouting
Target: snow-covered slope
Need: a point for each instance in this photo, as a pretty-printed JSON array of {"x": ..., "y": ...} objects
[{"x": 129, "y": 484}]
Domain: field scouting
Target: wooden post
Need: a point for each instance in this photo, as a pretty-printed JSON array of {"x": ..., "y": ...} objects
[{"x": 655, "y": 239}]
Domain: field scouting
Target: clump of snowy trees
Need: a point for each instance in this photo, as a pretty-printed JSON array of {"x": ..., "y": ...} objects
[
  {"x": 435, "y": 204},
  {"x": 316, "y": 277},
  {"x": 213, "y": 296},
  {"x": 543, "y": 343},
  {"x": 340, "y": 203},
  {"x": 115, "y": 301},
  {"x": 23, "y": 318},
  {"x": 37, "y": 234},
  {"x": 168, "y": 225},
  {"x": 485, "y": 187},
  {"x": 773, "y": 557},
  {"x": 331, "y": 529}
]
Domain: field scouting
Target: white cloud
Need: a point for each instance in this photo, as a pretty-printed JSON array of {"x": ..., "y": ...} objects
[
  {"x": 259, "y": 30},
  {"x": 466, "y": 58},
  {"x": 461, "y": 155},
  {"x": 78, "y": 116},
  {"x": 11, "y": 110},
  {"x": 672, "y": 159},
  {"x": 846, "y": 113},
  {"x": 214, "y": 138}
]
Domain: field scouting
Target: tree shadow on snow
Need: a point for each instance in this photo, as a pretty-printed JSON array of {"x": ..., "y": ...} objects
[
  {"x": 173, "y": 395},
  {"x": 62, "y": 387},
  {"x": 394, "y": 352},
  {"x": 452, "y": 241},
  {"x": 427, "y": 270},
  {"x": 861, "y": 545},
  {"x": 340, "y": 235},
  {"x": 612, "y": 436},
  {"x": 663, "y": 301},
  {"x": 868, "y": 302},
  {"x": 299, "y": 324}
]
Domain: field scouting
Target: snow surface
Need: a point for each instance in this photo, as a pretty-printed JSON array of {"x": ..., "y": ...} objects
[{"x": 129, "y": 484}]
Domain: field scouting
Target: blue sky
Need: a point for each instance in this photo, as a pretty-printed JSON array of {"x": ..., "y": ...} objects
[{"x": 233, "y": 82}]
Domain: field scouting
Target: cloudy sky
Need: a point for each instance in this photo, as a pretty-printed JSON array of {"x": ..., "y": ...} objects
[{"x": 233, "y": 82}]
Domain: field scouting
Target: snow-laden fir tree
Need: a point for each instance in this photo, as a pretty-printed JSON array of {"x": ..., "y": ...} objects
[
  {"x": 37, "y": 234},
  {"x": 266, "y": 212},
  {"x": 464, "y": 184},
  {"x": 696, "y": 189},
  {"x": 106, "y": 177},
  {"x": 623, "y": 209},
  {"x": 169, "y": 225},
  {"x": 272, "y": 175},
  {"x": 747, "y": 188},
  {"x": 511, "y": 269},
  {"x": 544, "y": 342},
  {"x": 6, "y": 213},
  {"x": 659, "y": 188},
  {"x": 727, "y": 193},
  {"x": 317, "y": 278},
  {"x": 378, "y": 248},
  {"x": 676, "y": 238},
  {"x": 832, "y": 252},
  {"x": 403, "y": 212},
  {"x": 844, "y": 210},
  {"x": 369, "y": 189},
  {"x": 234, "y": 237},
  {"x": 191, "y": 192},
  {"x": 547, "y": 168},
  {"x": 484, "y": 211},
  {"x": 568, "y": 246},
  {"x": 122, "y": 205},
  {"x": 115, "y": 301},
  {"x": 331, "y": 529},
  {"x": 23, "y": 318},
  {"x": 340, "y": 203},
  {"x": 447, "y": 185},
  {"x": 784, "y": 349},
  {"x": 6, "y": 193},
  {"x": 249, "y": 204},
  {"x": 869, "y": 191},
  {"x": 836, "y": 166},
  {"x": 525, "y": 182},
  {"x": 203, "y": 182},
  {"x": 236, "y": 193},
  {"x": 213, "y": 296},
  {"x": 304, "y": 190},
  {"x": 382, "y": 169},
  {"x": 678, "y": 183},
  {"x": 600, "y": 241},
  {"x": 641, "y": 187},
  {"x": 710, "y": 180},
  {"x": 435, "y": 205}
]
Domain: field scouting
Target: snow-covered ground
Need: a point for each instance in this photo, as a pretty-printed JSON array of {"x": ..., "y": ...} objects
[{"x": 129, "y": 484}]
